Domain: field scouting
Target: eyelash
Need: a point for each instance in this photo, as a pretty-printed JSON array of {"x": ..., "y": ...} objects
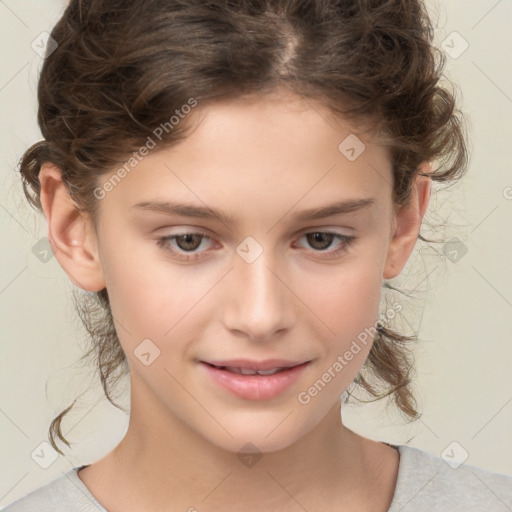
[{"x": 164, "y": 244}]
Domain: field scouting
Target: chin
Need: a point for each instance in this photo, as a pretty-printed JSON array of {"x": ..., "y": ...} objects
[{"x": 265, "y": 437}]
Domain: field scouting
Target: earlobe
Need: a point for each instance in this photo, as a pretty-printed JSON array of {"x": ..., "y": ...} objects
[
  {"x": 71, "y": 235},
  {"x": 407, "y": 223}
]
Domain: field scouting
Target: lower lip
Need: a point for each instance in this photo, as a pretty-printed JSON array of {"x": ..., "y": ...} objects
[{"x": 256, "y": 387}]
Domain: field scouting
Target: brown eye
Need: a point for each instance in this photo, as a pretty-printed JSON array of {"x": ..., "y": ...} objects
[
  {"x": 320, "y": 240},
  {"x": 189, "y": 241},
  {"x": 179, "y": 245}
]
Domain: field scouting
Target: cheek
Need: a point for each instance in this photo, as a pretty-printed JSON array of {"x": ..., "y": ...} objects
[
  {"x": 347, "y": 304},
  {"x": 153, "y": 298},
  {"x": 346, "y": 299}
]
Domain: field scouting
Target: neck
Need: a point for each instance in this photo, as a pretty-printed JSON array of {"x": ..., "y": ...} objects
[{"x": 166, "y": 465}]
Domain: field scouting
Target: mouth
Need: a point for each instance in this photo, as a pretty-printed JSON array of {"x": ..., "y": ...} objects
[
  {"x": 253, "y": 367},
  {"x": 252, "y": 380},
  {"x": 247, "y": 371}
]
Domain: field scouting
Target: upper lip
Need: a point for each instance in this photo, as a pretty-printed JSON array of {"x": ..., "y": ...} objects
[{"x": 247, "y": 364}]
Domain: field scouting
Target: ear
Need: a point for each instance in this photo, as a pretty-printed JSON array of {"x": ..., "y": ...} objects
[
  {"x": 70, "y": 231},
  {"x": 407, "y": 222}
]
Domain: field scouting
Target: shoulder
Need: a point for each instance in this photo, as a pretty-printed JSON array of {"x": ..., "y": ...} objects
[
  {"x": 426, "y": 482},
  {"x": 66, "y": 493}
]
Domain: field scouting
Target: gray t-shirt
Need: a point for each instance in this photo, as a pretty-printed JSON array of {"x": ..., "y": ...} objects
[{"x": 425, "y": 483}]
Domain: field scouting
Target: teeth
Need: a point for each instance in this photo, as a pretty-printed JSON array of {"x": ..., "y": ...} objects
[
  {"x": 269, "y": 372},
  {"x": 245, "y": 371}
]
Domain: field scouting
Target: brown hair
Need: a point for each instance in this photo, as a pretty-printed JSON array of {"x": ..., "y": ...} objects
[{"x": 123, "y": 68}]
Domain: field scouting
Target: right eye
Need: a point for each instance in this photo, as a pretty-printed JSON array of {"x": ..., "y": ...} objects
[{"x": 186, "y": 242}]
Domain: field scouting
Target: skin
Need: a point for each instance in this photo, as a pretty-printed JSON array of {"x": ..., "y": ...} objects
[{"x": 263, "y": 161}]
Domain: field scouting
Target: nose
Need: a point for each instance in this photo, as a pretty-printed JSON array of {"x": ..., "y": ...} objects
[{"x": 259, "y": 303}]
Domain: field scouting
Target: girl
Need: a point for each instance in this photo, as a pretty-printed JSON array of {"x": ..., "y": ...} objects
[{"x": 234, "y": 182}]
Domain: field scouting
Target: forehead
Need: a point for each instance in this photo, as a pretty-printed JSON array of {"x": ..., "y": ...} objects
[
  {"x": 275, "y": 149},
  {"x": 279, "y": 119}
]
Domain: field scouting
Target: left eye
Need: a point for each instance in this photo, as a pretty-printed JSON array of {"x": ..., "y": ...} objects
[
  {"x": 322, "y": 238},
  {"x": 190, "y": 242}
]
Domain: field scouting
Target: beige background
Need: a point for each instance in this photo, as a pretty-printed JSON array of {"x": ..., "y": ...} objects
[{"x": 464, "y": 381}]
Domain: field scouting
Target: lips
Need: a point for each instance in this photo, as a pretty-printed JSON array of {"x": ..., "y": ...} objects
[
  {"x": 256, "y": 366},
  {"x": 254, "y": 383},
  {"x": 247, "y": 371}
]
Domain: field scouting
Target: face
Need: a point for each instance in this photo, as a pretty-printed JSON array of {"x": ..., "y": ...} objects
[{"x": 268, "y": 280}]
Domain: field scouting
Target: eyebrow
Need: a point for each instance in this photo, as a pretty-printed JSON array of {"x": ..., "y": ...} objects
[{"x": 190, "y": 210}]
